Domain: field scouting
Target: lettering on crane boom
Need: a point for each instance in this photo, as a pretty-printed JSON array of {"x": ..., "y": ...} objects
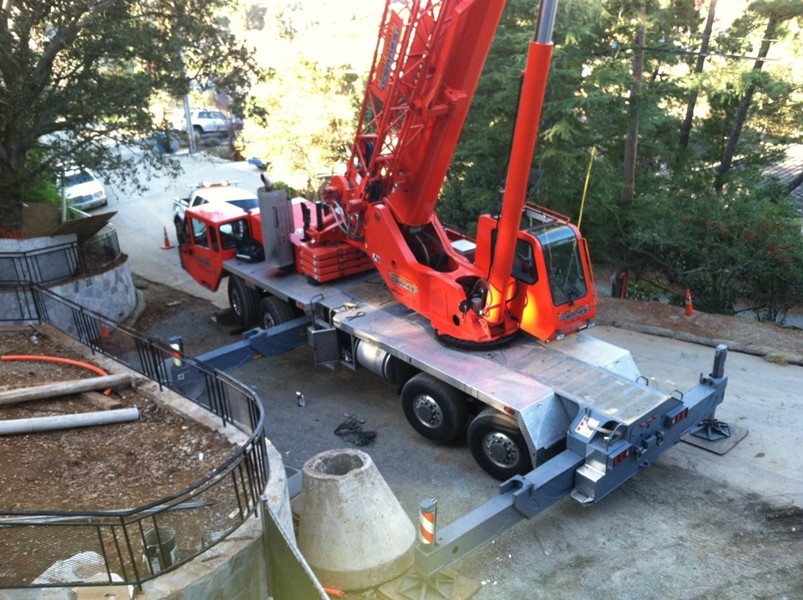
[
  {"x": 403, "y": 282},
  {"x": 388, "y": 56}
]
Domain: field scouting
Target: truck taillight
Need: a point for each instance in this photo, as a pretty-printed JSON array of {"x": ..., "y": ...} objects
[
  {"x": 625, "y": 454},
  {"x": 676, "y": 417}
]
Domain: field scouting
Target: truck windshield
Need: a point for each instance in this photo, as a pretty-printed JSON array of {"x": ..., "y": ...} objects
[{"x": 563, "y": 264}]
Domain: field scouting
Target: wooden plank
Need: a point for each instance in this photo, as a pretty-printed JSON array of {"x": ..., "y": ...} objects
[{"x": 101, "y": 401}]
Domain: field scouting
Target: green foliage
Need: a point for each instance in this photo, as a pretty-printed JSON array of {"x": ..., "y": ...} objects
[
  {"x": 741, "y": 247},
  {"x": 42, "y": 189},
  {"x": 646, "y": 290},
  {"x": 291, "y": 191},
  {"x": 311, "y": 120},
  {"x": 78, "y": 79}
]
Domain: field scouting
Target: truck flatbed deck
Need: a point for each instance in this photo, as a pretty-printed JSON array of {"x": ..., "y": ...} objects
[{"x": 543, "y": 385}]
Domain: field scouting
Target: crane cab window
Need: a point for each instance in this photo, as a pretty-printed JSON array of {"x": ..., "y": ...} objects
[
  {"x": 231, "y": 234},
  {"x": 564, "y": 265},
  {"x": 524, "y": 268}
]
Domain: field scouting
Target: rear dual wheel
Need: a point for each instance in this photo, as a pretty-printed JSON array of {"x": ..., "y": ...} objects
[
  {"x": 440, "y": 413},
  {"x": 435, "y": 409},
  {"x": 274, "y": 311},
  {"x": 498, "y": 446}
]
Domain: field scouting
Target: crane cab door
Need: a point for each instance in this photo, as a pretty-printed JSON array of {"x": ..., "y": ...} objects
[
  {"x": 201, "y": 253},
  {"x": 552, "y": 264}
]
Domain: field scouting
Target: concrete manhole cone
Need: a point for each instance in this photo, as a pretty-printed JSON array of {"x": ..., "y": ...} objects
[{"x": 352, "y": 529}]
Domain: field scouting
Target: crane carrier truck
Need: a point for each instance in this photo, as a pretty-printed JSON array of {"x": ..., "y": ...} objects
[{"x": 482, "y": 337}]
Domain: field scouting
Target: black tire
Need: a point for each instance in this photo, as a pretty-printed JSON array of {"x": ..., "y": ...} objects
[
  {"x": 498, "y": 446},
  {"x": 435, "y": 409},
  {"x": 198, "y": 129},
  {"x": 273, "y": 312},
  {"x": 244, "y": 302}
]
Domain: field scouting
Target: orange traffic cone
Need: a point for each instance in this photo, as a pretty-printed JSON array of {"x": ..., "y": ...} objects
[
  {"x": 689, "y": 305},
  {"x": 166, "y": 245}
]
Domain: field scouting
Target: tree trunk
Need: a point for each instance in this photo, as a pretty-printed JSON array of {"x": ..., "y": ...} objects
[
  {"x": 744, "y": 105},
  {"x": 10, "y": 201},
  {"x": 631, "y": 143},
  {"x": 698, "y": 68}
]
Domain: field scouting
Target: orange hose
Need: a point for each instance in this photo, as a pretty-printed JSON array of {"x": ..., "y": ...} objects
[{"x": 58, "y": 359}]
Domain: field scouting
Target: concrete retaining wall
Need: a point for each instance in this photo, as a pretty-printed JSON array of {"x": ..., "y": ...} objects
[
  {"x": 38, "y": 264},
  {"x": 111, "y": 292}
]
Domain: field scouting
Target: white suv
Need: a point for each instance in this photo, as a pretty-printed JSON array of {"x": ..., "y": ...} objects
[{"x": 207, "y": 121}]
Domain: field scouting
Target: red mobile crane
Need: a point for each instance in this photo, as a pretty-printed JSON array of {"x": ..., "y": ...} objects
[
  {"x": 518, "y": 403},
  {"x": 426, "y": 66}
]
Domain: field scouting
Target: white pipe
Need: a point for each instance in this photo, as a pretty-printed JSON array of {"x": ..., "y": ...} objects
[{"x": 87, "y": 419}]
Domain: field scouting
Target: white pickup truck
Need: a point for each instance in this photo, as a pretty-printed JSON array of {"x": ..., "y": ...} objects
[{"x": 205, "y": 193}]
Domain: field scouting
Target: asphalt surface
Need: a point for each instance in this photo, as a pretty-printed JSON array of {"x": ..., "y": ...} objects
[{"x": 693, "y": 525}]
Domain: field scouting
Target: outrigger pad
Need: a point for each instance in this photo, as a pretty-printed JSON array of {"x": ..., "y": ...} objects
[
  {"x": 445, "y": 585},
  {"x": 718, "y": 444}
]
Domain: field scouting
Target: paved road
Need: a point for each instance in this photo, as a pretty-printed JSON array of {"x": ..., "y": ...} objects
[{"x": 693, "y": 525}]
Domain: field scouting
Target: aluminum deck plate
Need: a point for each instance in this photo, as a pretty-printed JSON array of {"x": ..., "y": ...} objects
[{"x": 519, "y": 376}]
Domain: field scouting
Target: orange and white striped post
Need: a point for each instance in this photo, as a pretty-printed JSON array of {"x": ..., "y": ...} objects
[
  {"x": 176, "y": 349},
  {"x": 427, "y": 513},
  {"x": 689, "y": 305}
]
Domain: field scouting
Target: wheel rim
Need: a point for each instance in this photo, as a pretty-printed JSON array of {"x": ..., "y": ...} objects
[
  {"x": 501, "y": 450},
  {"x": 268, "y": 321},
  {"x": 428, "y": 411},
  {"x": 236, "y": 304}
]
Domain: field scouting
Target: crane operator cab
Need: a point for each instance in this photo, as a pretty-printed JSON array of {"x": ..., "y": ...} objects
[{"x": 554, "y": 294}]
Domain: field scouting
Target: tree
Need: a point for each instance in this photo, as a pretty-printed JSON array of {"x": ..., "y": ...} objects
[
  {"x": 77, "y": 79},
  {"x": 698, "y": 69},
  {"x": 776, "y": 12},
  {"x": 631, "y": 144}
]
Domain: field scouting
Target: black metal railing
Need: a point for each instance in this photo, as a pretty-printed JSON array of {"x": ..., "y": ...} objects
[
  {"x": 60, "y": 261},
  {"x": 43, "y": 265},
  {"x": 61, "y": 549}
]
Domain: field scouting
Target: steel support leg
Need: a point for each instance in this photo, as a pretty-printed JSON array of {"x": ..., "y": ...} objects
[{"x": 712, "y": 430}]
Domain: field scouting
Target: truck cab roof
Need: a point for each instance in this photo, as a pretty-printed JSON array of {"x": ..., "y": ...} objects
[
  {"x": 223, "y": 193},
  {"x": 219, "y": 212}
]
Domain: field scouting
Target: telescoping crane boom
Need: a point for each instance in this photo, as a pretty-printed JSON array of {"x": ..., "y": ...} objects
[{"x": 426, "y": 66}]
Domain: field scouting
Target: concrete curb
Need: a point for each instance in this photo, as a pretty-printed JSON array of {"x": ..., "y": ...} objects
[{"x": 769, "y": 354}]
